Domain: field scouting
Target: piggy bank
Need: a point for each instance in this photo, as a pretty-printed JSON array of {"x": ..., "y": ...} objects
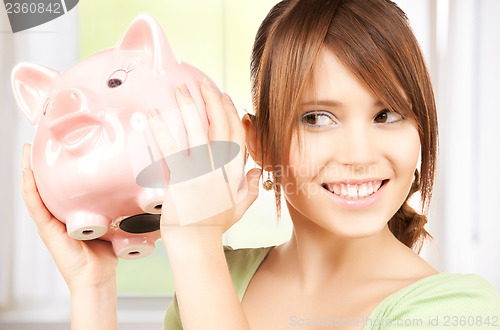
[{"x": 93, "y": 155}]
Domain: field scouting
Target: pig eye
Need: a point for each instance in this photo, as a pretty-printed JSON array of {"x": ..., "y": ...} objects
[
  {"x": 117, "y": 78},
  {"x": 46, "y": 106}
]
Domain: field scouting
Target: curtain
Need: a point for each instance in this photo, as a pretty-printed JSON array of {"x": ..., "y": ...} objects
[
  {"x": 7, "y": 116},
  {"x": 467, "y": 203},
  {"x": 27, "y": 272}
]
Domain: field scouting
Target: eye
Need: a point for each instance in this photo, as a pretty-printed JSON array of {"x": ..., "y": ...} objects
[
  {"x": 386, "y": 117},
  {"x": 117, "y": 78},
  {"x": 318, "y": 119}
]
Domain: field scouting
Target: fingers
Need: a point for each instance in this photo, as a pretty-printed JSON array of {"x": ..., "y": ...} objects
[
  {"x": 26, "y": 160},
  {"x": 225, "y": 123},
  {"x": 253, "y": 180},
  {"x": 164, "y": 140},
  {"x": 36, "y": 208},
  {"x": 236, "y": 130},
  {"x": 192, "y": 120},
  {"x": 51, "y": 231},
  {"x": 218, "y": 130}
]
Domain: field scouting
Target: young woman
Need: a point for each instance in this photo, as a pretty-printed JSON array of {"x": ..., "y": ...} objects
[{"x": 345, "y": 122}]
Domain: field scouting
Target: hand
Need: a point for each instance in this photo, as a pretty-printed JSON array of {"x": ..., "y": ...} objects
[
  {"x": 206, "y": 194},
  {"x": 207, "y": 187},
  {"x": 83, "y": 265}
]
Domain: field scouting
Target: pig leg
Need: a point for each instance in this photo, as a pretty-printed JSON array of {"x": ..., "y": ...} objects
[
  {"x": 133, "y": 247},
  {"x": 150, "y": 200},
  {"x": 86, "y": 226}
]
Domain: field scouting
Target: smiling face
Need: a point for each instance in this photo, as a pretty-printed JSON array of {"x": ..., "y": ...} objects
[
  {"x": 356, "y": 160},
  {"x": 386, "y": 59}
]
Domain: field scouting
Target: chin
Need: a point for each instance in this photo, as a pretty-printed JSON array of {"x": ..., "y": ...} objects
[{"x": 358, "y": 227}]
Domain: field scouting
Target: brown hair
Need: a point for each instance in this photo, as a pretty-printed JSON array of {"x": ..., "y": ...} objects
[{"x": 372, "y": 38}]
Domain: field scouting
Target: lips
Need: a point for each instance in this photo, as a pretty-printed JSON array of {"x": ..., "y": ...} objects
[{"x": 356, "y": 194}]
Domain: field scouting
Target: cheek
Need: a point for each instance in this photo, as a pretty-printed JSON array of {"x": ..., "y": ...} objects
[
  {"x": 404, "y": 151},
  {"x": 305, "y": 165},
  {"x": 313, "y": 152}
]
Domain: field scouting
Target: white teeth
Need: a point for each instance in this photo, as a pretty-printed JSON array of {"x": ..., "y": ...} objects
[
  {"x": 337, "y": 189},
  {"x": 354, "y": 191},
  {"x": 370, "y": 188},
  {"x": 363, "y": 190}
]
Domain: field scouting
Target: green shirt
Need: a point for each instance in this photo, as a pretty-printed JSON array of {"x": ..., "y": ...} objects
[{"x": 441, "y": 301}]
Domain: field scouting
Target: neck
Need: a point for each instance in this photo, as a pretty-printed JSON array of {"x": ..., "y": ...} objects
[{"x": 318, "y": 255}]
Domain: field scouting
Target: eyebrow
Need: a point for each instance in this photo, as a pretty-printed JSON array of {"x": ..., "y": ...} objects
[
  {"x": 335, "y": 103},
  {"x": 329, "y": 103}
]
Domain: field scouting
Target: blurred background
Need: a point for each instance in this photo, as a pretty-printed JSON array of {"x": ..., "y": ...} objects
[{"x": 462, "y": 47}]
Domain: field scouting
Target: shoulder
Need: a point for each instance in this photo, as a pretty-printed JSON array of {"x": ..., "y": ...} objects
[
  {"x": 463, "y": 289},
  {"x": 446, "y": 299},
  {"x": 242, "y": 265},
  {"x": 245, "y": 259}
]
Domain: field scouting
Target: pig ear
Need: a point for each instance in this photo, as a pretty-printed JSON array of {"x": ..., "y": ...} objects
[
  {"x": 31, "y": 84},
  {"x": 146, "y": 35}
]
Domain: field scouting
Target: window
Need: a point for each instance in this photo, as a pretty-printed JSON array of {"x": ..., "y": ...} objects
[{"x": 197, "y": 33}]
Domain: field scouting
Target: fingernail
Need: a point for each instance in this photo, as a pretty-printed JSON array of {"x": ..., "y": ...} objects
[
  {"x": 184, "y": 90},
  {"x": 153, "y": 113},
  {"x": 209, "y": 85},
  {"x": 227, "y": 99}
]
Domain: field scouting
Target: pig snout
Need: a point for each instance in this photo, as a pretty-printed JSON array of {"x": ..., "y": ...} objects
[
  {"x": 69, "y": 119},
  {"x": 66, "y": 103}
]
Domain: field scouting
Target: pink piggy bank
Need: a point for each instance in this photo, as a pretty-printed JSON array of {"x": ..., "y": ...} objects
[{"x": 93, "y": 156}]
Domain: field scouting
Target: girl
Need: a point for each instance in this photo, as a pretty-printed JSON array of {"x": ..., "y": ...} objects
[{"x": 344, "y": 111}]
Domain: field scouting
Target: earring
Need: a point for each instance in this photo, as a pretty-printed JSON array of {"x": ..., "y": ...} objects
[{"x": 268, "y": 184}]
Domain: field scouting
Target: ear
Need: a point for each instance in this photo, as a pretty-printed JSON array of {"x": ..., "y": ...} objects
[
  {"x": 252, "y": 141},
  {"x": 145, "y": 35},
  {"x": 31, "y": 84}
]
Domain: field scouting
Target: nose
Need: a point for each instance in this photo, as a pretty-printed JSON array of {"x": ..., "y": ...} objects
[
  {"x": 66, "y": 102},
  {"x": 357, "y": 147}
]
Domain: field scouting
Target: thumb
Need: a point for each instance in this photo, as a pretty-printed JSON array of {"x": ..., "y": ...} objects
[{"x": 253, "y": 180}]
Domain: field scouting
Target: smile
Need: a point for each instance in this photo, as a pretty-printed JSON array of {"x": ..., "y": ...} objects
[
  {"x": 355, "y": 194},
  {"x": 354, "y": 191}
]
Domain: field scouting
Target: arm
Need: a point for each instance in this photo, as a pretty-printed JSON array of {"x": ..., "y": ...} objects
[
  {"x": 205, "y": 292},
  {"x": 94, "y": 308},
  {"x": 195, "y": 214},
  {"x": 89, "y": 268}
]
